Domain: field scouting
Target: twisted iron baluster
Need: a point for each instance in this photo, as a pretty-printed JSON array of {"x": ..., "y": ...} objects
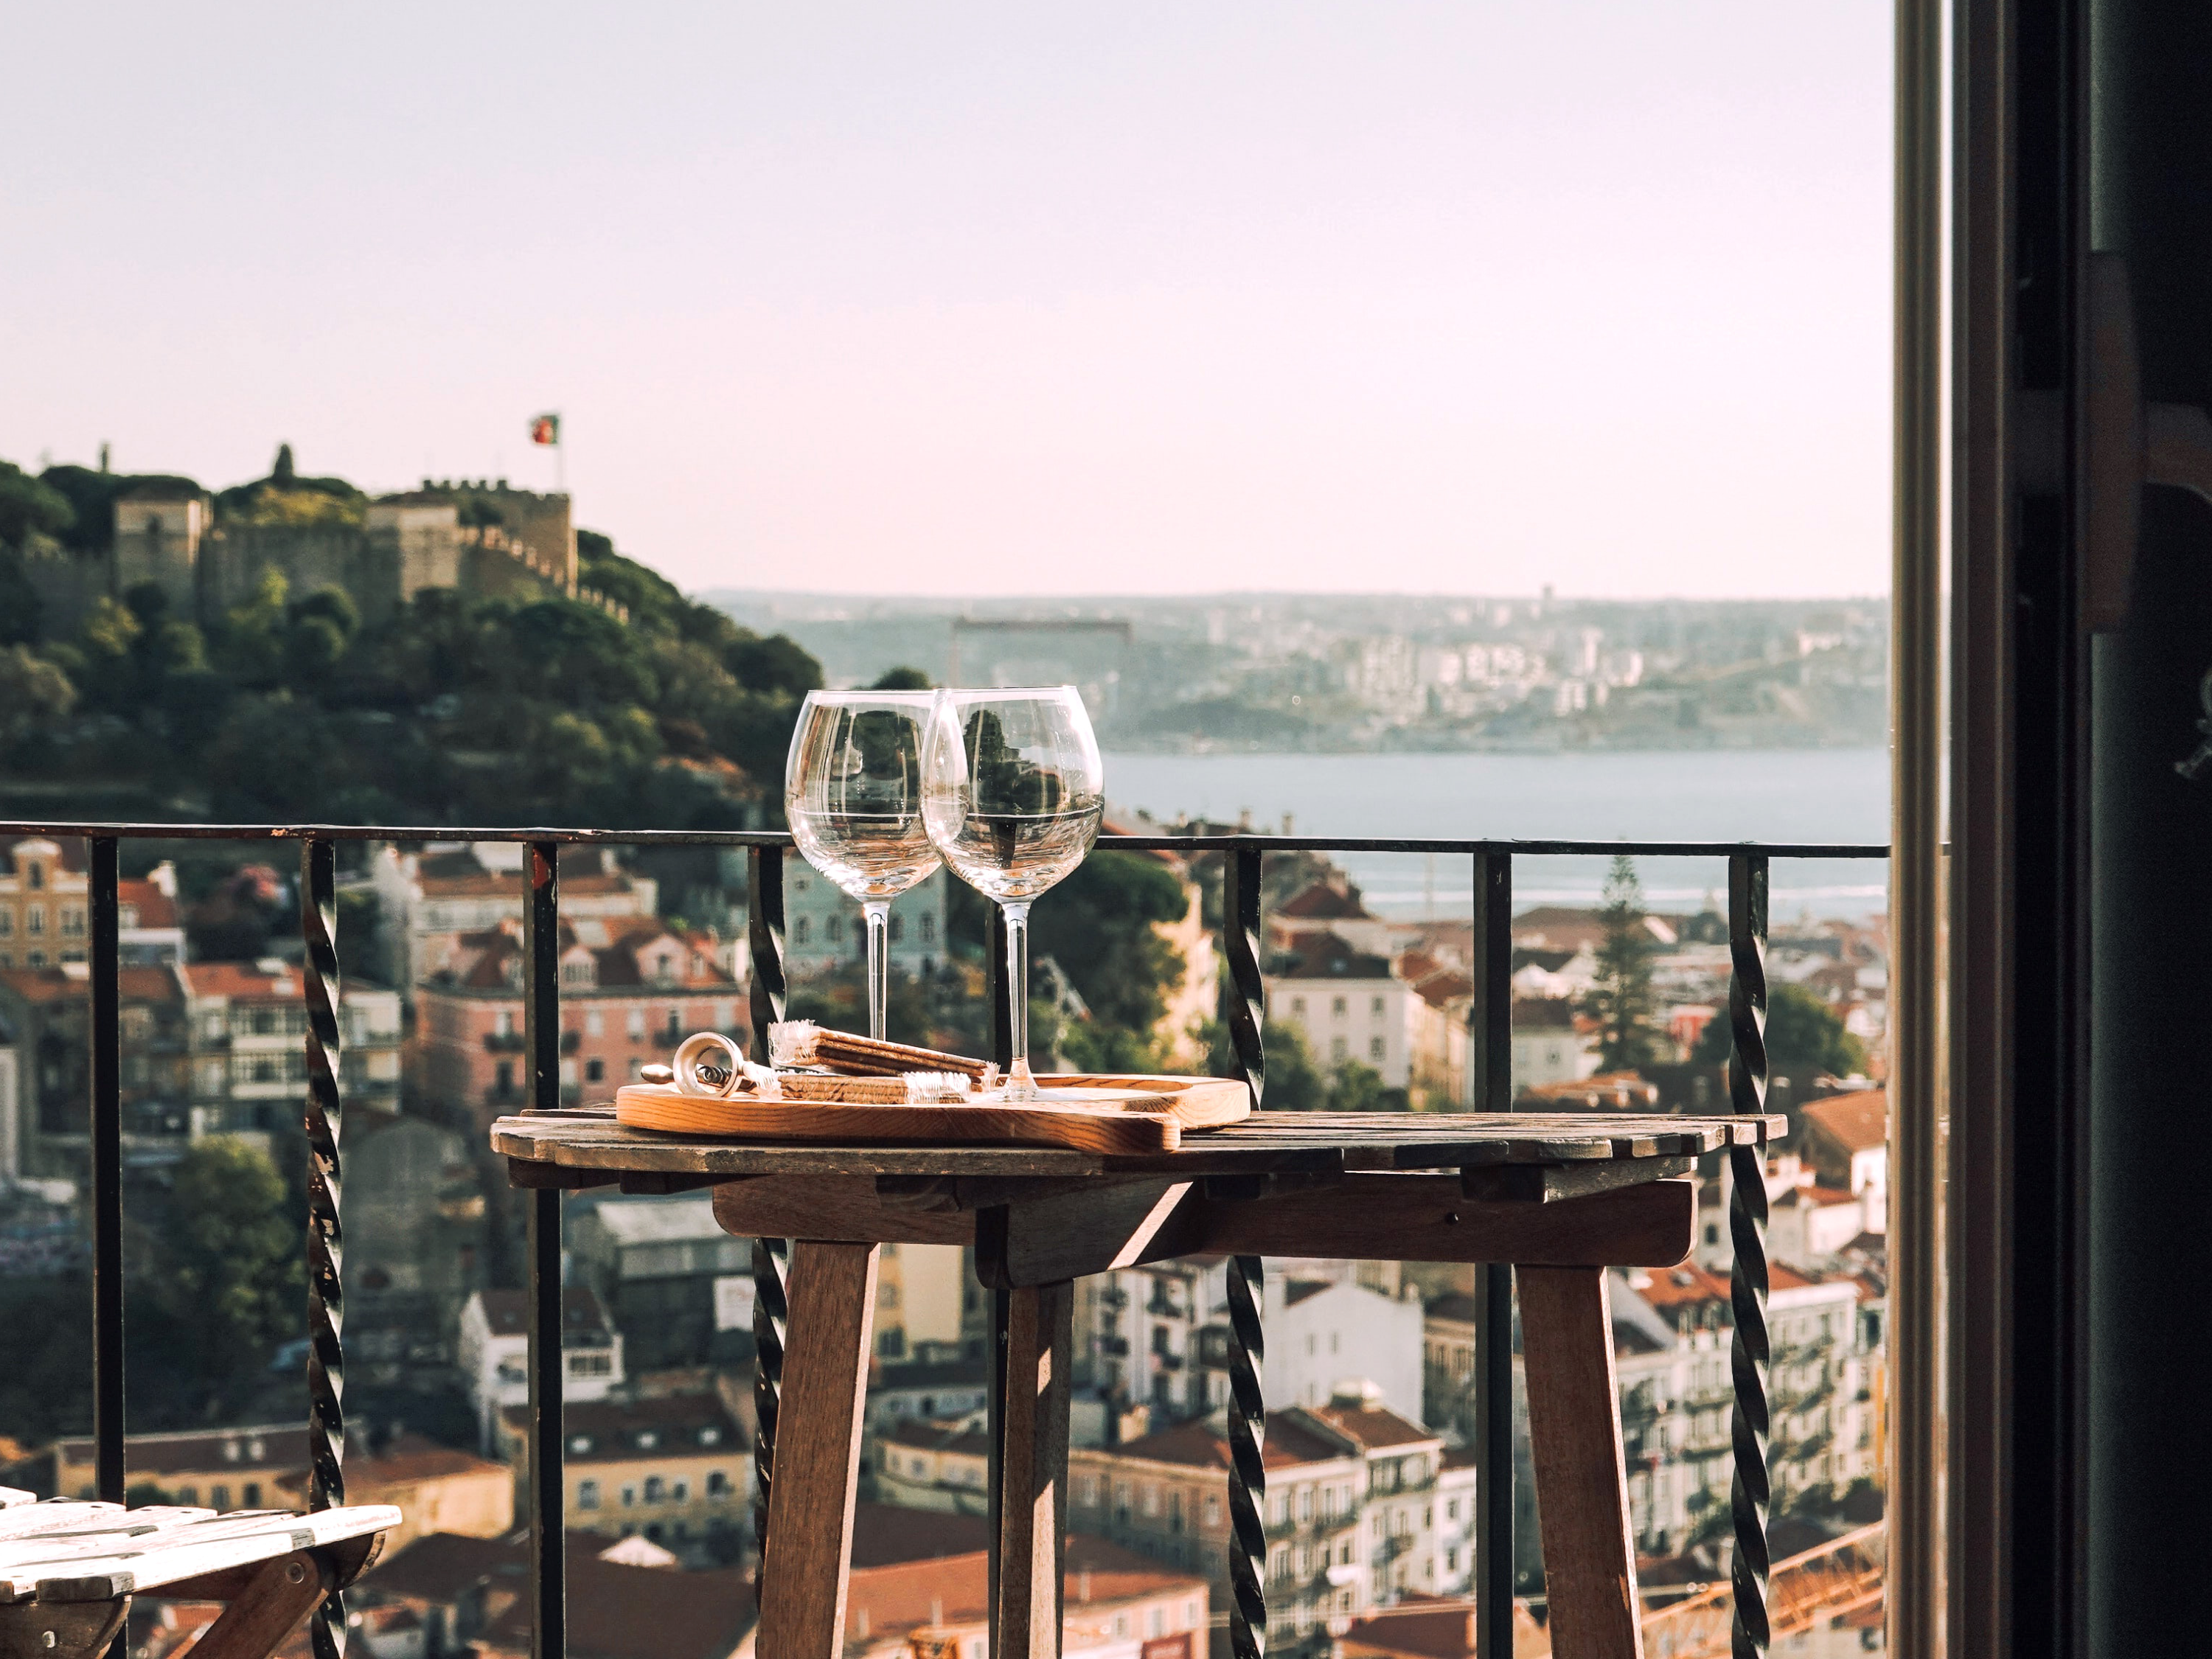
[
  {"x": 326, "y": 1236},
  {"x": 771, "y": 1256},
  {"x": 1749, "y": 1423},
  {"x": 771, "y": 1313},
  {"x": 1244, "y": 991},
  {"x": 1247, "y": 1477}
]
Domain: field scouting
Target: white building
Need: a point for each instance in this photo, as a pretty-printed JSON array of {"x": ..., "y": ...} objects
[
  {"x": 824, "y": 931},
  {"x": 1547, "y": 1048},
  {"x": 1323, "y": 1336},
  {"x": 1348, "y": 1006},
  {"x": 246, "y": 1026},
  {"x": 493, "y": 1352},
  {"x": 1363, "y": 1507}
]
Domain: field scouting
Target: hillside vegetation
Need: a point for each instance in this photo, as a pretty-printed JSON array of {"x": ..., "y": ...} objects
[{"x": 457, "y": 711}]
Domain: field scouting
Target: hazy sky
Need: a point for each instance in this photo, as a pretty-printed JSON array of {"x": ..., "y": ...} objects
[{"x": 1468, "y": 296}]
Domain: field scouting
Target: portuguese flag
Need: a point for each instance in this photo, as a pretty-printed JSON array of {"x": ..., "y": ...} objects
[{"x": 545, "y": 429}]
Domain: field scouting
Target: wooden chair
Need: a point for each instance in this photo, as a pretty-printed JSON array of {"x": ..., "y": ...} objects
[{"x": 68, "y": 1570}]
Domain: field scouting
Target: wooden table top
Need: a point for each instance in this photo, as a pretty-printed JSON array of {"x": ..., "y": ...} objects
[{"x": 588, "y": 1138}]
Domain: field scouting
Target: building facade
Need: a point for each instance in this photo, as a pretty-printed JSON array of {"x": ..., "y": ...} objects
[{"x": 1360, "y": 1511}]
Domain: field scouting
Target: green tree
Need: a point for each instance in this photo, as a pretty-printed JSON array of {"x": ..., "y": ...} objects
[
  {"x": 32, "y": 691},
  {"x": 1805, "y": 1038},
  {"x": 900, "y": 679},
  {"x": 1294, "y": 1083},
  {"x": 1620, "y": 997},
  {"x": 29, "y": 506},
  {"x": 231, "y": 1261},
  {"x": 1099, "y": 925},
  {"x": 1353, "y": 1087}
]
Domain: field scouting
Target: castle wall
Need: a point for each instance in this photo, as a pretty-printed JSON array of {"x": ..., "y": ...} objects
[
  {"x": 233, "y": 563},
  {"x": 67, "y": 585}
]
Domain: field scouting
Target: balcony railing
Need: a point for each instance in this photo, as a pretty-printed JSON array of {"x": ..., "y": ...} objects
[{"x": 1243, "y": 1007}]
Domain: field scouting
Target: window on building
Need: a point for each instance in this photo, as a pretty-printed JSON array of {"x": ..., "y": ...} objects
[
  {"x": 1212, "y": 1509},
  {"x": 679, "y": 1492},
  {"x": 1337, "y": 1007},
  {"x": 1375, "y": 1007},
  {"x": 595, "y": 1071},
  {"x": 1339, "y": 1048},
  {"x": 1151, "y": 1496},
  {"x": 595, "y": 1023},
  {"x": 800, "y": 930},
  {"x": 34, "y": 919},
  {"x": 718, "y": 1484},
  {"x": 587, "y": 1494},
  {"x": 219, "y": 1497},
  {"x": 72, "y": 922},
  {"x": 630, "y": 1496},
  {"x": 1086, "y": 1491},
  {"x": 1377, "y": 1049},
  {"x": 505, "y": 1082},
  {"x": 637, "y": 1025},
  {"x": 34, "y": 876},
  {"x": 249, "y": 1495}
]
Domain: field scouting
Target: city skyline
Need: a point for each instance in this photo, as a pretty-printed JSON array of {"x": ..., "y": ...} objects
[{"x": 1416, "y": 298}]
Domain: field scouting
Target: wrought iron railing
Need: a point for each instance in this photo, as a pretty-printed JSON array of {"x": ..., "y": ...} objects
[{"x": 1242, "y": 858}]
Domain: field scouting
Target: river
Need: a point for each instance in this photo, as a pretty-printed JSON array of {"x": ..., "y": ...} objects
[{"x": 1771, "y": 795}]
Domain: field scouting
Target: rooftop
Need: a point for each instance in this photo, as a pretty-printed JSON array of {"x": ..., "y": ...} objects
[
  {"x": 584, "y": 1322},
  {"x": 1857, "y": 1122}
]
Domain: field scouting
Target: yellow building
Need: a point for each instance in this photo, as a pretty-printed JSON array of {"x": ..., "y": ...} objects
[{"x": 675, "y": 1469}]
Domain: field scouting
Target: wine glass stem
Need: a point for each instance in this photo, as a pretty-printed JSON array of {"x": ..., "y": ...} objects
[
  {"x": 878, "y": 912},
  {"x": 1021, "y": 1083}
]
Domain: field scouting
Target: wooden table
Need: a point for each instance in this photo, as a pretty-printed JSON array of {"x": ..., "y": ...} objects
[{"x": 1559, "y": 1198}]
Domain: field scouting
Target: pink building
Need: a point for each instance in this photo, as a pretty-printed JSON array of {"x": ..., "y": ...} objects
[{"x": 631, "y": 989}]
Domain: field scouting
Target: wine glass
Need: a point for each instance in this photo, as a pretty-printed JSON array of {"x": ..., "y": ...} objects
[
  {"x": 852, "y": 791},
  {"x": 1013, "y": 791}
]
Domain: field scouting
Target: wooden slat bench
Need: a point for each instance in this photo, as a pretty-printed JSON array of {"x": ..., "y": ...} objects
[{"x": 68, "y": 1570}]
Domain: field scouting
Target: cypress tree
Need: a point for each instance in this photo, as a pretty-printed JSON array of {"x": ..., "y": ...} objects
[{"x": 1620, "y": 999}]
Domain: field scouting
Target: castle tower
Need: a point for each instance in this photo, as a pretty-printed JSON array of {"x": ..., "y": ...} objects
[{"x": 158, "y": 531}]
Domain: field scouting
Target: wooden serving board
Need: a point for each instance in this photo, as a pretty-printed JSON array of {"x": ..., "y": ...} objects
[{"x": 1092, "y": 1114}]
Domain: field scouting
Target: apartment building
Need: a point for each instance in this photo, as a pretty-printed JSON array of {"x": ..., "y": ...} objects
[
  {"x": 1672, "y": 1332},
  {"x": 493, "y": 1352},
  {"x": 241, "y": 1469},
  {"x": 943, "y": 1466},
  {"x": 674, "y": 1469},
  {"x": 678, "y": 1288},
  {"x": 248, "y": 1026},
  {"x": 631, "y": 989},
  {"x": 1349, "y": 1006},
  {"x": 1361, "y": 1509},
  {"x": 1156, "y": 1338},
  {"x": 427, "y": 901},
  {"x": 823, "y": 930}
]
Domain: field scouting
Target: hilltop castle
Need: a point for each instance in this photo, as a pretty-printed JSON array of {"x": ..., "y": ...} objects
[{"x": 167, "y": 535}]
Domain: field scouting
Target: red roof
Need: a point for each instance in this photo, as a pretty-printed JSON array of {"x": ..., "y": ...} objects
[
  {"x": 1289, "y": 1442},
  {"x": 155, "y": 908},
  {"x": 241, "y": 982},
  {"x": 1374, "y": 1428},
  {"x": 1324, "y": 902},
  {"x": 1857, "y": 1122},
  {"x": 956, "y": 1589}
]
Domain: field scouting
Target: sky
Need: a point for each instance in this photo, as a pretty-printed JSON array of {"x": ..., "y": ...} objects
[{"x": 1472, "y": 297}]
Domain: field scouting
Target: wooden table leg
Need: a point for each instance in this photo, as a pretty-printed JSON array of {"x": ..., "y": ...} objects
[
  {"x": 1582, "y": 1486},
  {"x": 1033, "y": 1473},
  {"x": 275, "y": 1601},
  {"x": 832, "y": 1299}
]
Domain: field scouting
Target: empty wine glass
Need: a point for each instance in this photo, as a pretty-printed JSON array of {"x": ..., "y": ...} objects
[
  {"x": 1013, "y": 791},
  {"x": 852, "y": 790}
]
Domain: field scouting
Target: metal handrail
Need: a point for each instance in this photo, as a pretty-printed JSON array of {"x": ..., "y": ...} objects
[{"x": 1243, "y": 1000}]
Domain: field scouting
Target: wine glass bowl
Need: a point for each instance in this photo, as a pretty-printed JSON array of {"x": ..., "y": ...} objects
[
  {"x": 1012, "y": 793},
  {"x": 852, "y": 795}
]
